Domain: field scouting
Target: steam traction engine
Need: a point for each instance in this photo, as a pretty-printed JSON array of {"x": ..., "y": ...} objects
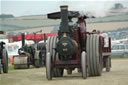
[
  {"x": 30, "y": 55},
  {"x": 74, "y": 47}
]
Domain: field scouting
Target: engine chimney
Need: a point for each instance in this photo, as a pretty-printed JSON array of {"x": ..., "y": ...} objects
[
  {"x": 23, "y": 39},
  {"x": 64, "y": 19}
]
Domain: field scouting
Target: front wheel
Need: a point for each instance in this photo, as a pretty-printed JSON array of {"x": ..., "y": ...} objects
[
  {"x": 94, "y": 54},
  {"x": 84, "y": 65},
  {"x": 48, "y": 67}
]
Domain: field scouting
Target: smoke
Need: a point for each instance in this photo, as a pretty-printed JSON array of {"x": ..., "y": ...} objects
[
  {"x": 34, "y": 7},
  {"x": 98, "y": 8}
]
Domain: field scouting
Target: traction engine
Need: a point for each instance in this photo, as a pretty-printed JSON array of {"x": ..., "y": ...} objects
[
  {"x": 74, "y": 47},
  {"x": 30, "y": 55}
]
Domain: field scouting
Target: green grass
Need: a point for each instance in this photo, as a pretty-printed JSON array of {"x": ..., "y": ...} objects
[{"x": 10, "y": 67}]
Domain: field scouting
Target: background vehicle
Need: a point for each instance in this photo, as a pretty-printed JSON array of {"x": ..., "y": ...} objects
[
  {"x": 119, "y": 50},
  {"x": 30, "y": 55}
]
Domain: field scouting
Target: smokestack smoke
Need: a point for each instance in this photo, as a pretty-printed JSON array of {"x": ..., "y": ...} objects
[{"x": 98, "y": 8}]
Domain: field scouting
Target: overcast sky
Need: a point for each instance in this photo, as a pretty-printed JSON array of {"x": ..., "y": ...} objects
[{"x": 35, "y": 7}]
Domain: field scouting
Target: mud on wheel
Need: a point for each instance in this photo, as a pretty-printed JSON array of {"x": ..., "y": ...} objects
[{"x": 94, "y": 55}]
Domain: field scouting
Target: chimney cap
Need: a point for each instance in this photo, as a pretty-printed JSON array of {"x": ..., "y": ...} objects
[{"x": 64, "y": 7}]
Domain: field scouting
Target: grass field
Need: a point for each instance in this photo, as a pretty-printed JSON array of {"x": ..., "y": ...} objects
[
  {"x": 18, "y": 24},
  {"x": 11, "y": 68}
]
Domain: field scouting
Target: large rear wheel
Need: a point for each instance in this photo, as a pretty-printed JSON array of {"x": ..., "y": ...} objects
[
  {"x": 94, "y": 55},
  {"x": 51, "y": 45}
]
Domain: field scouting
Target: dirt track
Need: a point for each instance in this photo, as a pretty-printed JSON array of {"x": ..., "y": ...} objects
[{"x": 117, "y": 76}]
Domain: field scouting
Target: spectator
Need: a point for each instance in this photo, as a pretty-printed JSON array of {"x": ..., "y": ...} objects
[
  {"x": 94, "y": 31},
  {"x": 105, "y": 35}
]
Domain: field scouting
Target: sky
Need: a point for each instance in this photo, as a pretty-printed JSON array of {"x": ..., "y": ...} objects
[{"x": 35, "y": 7}]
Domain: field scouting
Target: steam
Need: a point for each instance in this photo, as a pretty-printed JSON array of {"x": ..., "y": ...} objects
[
  {"x": 98, "y": 8},
  {"x": 34, "y": 7}
]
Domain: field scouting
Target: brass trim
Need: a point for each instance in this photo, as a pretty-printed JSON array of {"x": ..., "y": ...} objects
[
  {"x": 64, "y": 35},
  {"x": 65, "y": 44},
  {"x": 64, "y": 7}
]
